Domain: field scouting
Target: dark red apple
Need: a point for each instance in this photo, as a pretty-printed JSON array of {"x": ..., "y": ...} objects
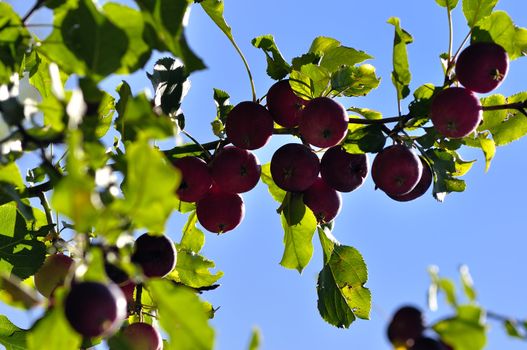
[
  {"x": 220, "y": 211},
  {"x": 155, "y": 254},
  {"x": 324, "y": 122},
  {"x": 294, "y": 167},
  {"x": 142, "y": 336},
  {"x": 52, "y": 273},
  {"x": 323, "y": 200},
  {"x": 285, "y": 106},
  {"x": 456, "y": 112},
  {"x": 396, "y": 170},
  {"x": 249, "y": 125},
  {"x": 426, "y": 343},
  {"x": 94, "y": 309},
  {"x": 235, "y": 169},
  {"x": 342, "y": 170},
  {"x": 195, "y": 178},
  {"x": 406, "y": 325},
  {"x": 422, "y": 186},
  {"x": 482, "y": 66}
]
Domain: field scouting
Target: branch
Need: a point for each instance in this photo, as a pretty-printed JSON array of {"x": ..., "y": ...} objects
[{"x": 35, "y": 7}]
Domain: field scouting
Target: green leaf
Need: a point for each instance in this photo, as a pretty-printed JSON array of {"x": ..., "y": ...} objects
[
  {"x": 193, "y": 238},
  {"x": 366, "y": 113},
  {"x": 150, "y": 186},
  {"x": 17, "y": 293},
  {"x": 14, "y": 40},
  {"x": 423, "y": 95},
  {"x": 131, "y": 22},
  {"x": 499, "y": 28},
  {"x": 327, "y": 241},
  {"x": 277, "y": 67},
  {"x": 256, "y": 339},
  {"x": 306, "y": 58},
  {"x": 164, "y": 29},
  {"x": 493, "y": 118},
  {"x": 276, "y": 192},
  {"x": 299, "y": 225},
  {"x": 364, "y": 138},
  {"x": 447, "y": 164},
  {"x": 11, "y": 336},
  {"x": 354, "y": 81},
  {"x": 465, "y": 331},
  {"x": 72, "y": 46},
  {"x": 475, "y": 10},
  {"x": 182, "y": 315},
  {"x": 339, "y": 56},
  {"x": 449, "y": 288},
  {"x": 512, "y": 328},
  {"x": 487, "y": 145},
  {"x": 401, "y": 75},
  {"x": 342, "y": 296},
  {"x": 323, "y": 44},
  {"x": 318, "y": 79},
  {"x": 514, "y": 127},
  {"x": 449, "y": 4},
  {"x": 192, "y": 270},
  {"x": 53, "y": 332},
  {"x": 20, "y": 253}
]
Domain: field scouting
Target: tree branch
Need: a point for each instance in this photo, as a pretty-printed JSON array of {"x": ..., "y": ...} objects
[{"x": 35, "y": 7}]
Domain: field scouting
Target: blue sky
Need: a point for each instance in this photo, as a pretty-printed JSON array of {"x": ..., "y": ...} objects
[{"x": 482, "y": 227}]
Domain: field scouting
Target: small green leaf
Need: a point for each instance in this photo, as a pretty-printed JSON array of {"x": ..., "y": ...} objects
[
  {"x": 475, "y": 10},
  {"x": 401, "y": 75},
  {"x": 449, "y": 4},
  {"x": 193, "y": 238},
  {"x": 354, "y": 81},
  {"x": 364, "y": 138},
  {"x": 193, "y": 270},
  {"x": 492, "y": 119},
  {"x": 310, "y": 81},
  {"x": 339, "y": 56},
  {"x": 182, "y": 315},
  {"x": 514, "y": 127},
  {"x": 14, "y": 41},
  {"x": 276, "y": 192},
  {"x": 366, "y": 113},
  {"x": 487, "y": 145},
  {"x": 449, "y": 288},
  {"x": 299, "y": 225},
  {"x": 256, "y": 339},
  {"x": 447, "y": 164},
  {"x": 277, "y": 67},
  {"x": 11, "y": 336},
  {"x": 513, "y": 329},
  {"x": 323, "y": 44},
  {"x": 468, "y": 284},
  {"x": 465, "y": 331}
]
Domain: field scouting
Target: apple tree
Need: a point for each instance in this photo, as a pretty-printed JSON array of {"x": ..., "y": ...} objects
[{"x": 83, "y": 230}]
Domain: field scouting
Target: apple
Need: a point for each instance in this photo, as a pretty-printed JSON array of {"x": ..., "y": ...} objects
[
  {"x": 422, "y": 186},
  {"x": 196, "y": 179},
  {"x": 426, "y": 343},
  {"x": 235, "y": 169},
  {"x": 52, "y": 273},
  {"x": 396, "y": 170},
  {"x": 406, "y": 325},
  {"x": 94, "y": 309},
  {"x": 155, "y": 254},
  {"x": 294, "y": 167},
  {"x": 323, "y": 200},
  {"x": 142, "y": 336},
  {"x": 220, "y": 211},
  {"x": 343, "y": 171},
  {"x": 324, "y": 122},
  {"x": 249, "y": 125},
  {"x": 482, "y": 66},
  {"x": 456, "y": 112},
  {"x": 285, "y": 106}
]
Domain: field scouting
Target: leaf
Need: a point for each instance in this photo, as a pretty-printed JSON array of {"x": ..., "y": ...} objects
[
  {"x": 193, "y": 238},
  {"x": 339, "y": 56},
  {"x": 256, "y": 339},
  {"x": 277, "y": 67},
  {"x": 447, "y": 164},
  {"x": 449, "y": 288},
  {"x": 449, "y": 4},
  {"x": 514, "y": 127},
  {"x": 512, "y": 329},
  {"x": 401, "y": 75},
  {"x": 342, "y": 296},
  {"x": 170, "y": 83},
  {"x": 475, "y": 10},
  {"x": 310, "y": 81},
  {"x": 53, "y": 332},
  {"x": 299, "y": 225},
  {"x": 364, "y": 138},
  {"x": 465, "y": 331},
  {"x": 192, "y": 270},
  {"x": 468, "y": 284},
  {"x": 366, "y": 113},
  {"x": 11, "y": 336},
  {"x": 487, "y": 145},
  {"x": 20, "y": 253},
  {"x": 17, "y": 293},
  {"x": 276, "y": 192},
  {"x": 493, "y": 118},
  {"x": 182, "y": 315},
  {"x": 14, "y": 40},
  {"x": 323, "y": 44},
  {"x": 354, "y": 81},
  {"x": 499, "y": 28}
]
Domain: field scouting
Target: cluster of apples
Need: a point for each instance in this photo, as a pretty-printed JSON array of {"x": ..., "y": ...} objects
[
  {"x": 96, "y": 309},
  {"x": 406, "y": 330}
]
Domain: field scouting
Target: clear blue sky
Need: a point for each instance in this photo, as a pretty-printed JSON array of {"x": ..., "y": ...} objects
[{"x": 482, "y": 227}]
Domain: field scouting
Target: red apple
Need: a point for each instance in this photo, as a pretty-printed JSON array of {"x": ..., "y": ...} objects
[
  {"x": 426, "y": 343},
  {"x": 220, "y": 211},
  {"x": 195, "y": 178},
  {"x": 294, "y": 167},
  {"x": 249, "y": 125},
  {"x": 155, "y": 254},
  {"x": 94, "y": 309},
  {"x": 406, "y": 325},
  {"x": 482, "y": 66},
  {"x": 285, "y": 106},
  {"x": 342, "y": 170},
  {"x": 324, "y": 122},
  {"x": 142, "y": 336},
  {"x": 235, "y": 169},
  {"x": 323, "y": 200},
  {"x": 396, "y": 170},
  {"x": 422, "y": 186},
  {"x": 456, "y": 112},
  {"x": 52, "y": 273}
]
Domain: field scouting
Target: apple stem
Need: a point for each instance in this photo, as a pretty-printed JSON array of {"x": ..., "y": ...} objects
[
  {"x": 205, "y": 151},
  {"x": 520, "y": 106}
]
